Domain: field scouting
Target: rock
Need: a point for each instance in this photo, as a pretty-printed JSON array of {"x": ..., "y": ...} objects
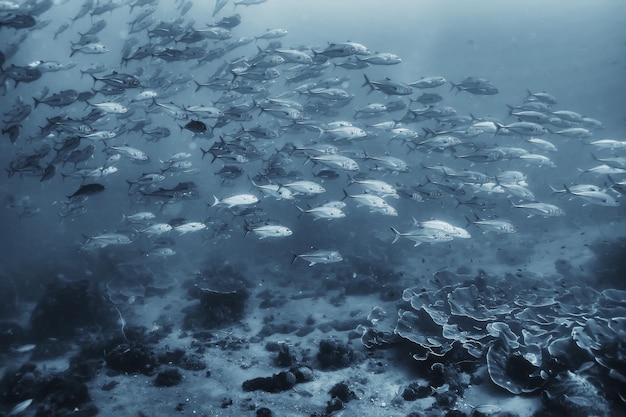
[
  {"x": 302, "y": 374},
  {"x": 416, "y": 391},
  {"x": 335, "y": 404},
  {"x": 333, "y": 354},
  {"x": 11, "y": 333},
  {"x": 216, "y": 309},
  {"x": 69, "y": 306},
  {"x": 286, "y": 356},
  {"x": 263, "y": 412},
  {"x": 63, "y": 394},
  {"x": 282, "y": 381},
  {"x": 168, "y": 378},
  {"x": 342, "y": 392},
  {"x": 131, "y": 359}
]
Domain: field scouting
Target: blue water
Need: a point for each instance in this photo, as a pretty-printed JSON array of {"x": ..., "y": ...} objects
[{"x": 572, "y": 50}]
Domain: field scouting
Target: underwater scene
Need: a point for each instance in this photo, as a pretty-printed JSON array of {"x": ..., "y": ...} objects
[{"x": 313, "y": 208}]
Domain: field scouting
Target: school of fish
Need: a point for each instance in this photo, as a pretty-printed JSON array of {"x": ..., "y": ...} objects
[{"x": 268, "y": 136}]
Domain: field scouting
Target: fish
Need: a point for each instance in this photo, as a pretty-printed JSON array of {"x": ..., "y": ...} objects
[
  {"x": 157, "y": 229},
  {"x": 274, "y": 190},
  {"x": 384, "y": 58},
  {"x": 268, "y": 231},
  {"x": 611, "y": 144},
  {"x": 195, "y": 126},
  {"x": 130, "y": 152},
  {"x": 189, "y": 227},
  {"x": 106, "y": 239},
  {"x": 387, "y": 86},
  {"x": 269, "y": 33},
  {"x": 110, "y": 107},
  {"x": 596, "y": 197},
  {"x": 323, "y": 212},
  {"x": 428, "y": 82},
  {"x": 139, "y": 217},
  {"x": 376, "y": 186},
  {"x": 118, "y": 80},
  {"x": 87, "y": 190},
  {"x": 447, "y": 228},
  {"x": 422, "y": 235},
  {"x": 219, "y": 5},
  {"x": 319, "y": 256},
  {"x": 305, "y": 187},
  {"x": 90, "y": 48},
  {"x": 523, "y": 128},
  {"x": 474, "y": 85},
  {"x": 542, "y": 97},
  {"x": 368, "y": 200},
  {"x": 337, "y": 50},
  {"x": 540, "y": 209},
  {"x": 493, "y": 225},
  {"x": 20, "y": 407},
  {"x": 235, "y": 200},
  {"x": 336, "y": 161}
]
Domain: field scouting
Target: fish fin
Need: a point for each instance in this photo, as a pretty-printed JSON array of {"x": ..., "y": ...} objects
[
  {"x": 367, "y": 82},
  {"x": 397, "y": 235}
]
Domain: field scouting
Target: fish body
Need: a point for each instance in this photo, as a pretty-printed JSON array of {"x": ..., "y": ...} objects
[
  {"x": 305, "y": 187},
  {"x": 346, "y": 132},
  {"x": 110, "y": 107},
  {"x": 275, "y": 190},
  {"x": 337, "y": 162},
  {"x": 106, "y": 239},
  {"x": 540, "y": 209},
  {"x": 119, "y": 80},
  {"x": 388, "y": 87},
  {"x": 129, "y": 152},
  {"x": 140, "y": 217},
  {"x": 157, "y": 229},
  {"x": 376, "y": 186},
  {"x": 324, "y": 212},
  {"x": 428, "y": 82},
  {"x": 269, "y": 231},
  {"x": 422, "y": 235},
  {"x": 384, "y": 58},
  {"x": 236, "y": 200},
  {"x": 319, "y": 257},
  {"x": 189, "y": 227},
  {"x": 447, "y": 228},
  {"x": 87, "y": 190},
  {"x": 90, "y": 48},
  {"x": 493, "y": 225}
]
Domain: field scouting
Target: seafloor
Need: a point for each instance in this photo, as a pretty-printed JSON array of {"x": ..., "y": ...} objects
[{"x": 184, "y": 345}]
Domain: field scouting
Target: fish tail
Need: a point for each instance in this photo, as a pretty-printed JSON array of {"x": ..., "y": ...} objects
[
  {"x": 554, "y": 190},
  {"x": 567, "y": 189},
  {"x": 216, "y": 201},
  {"x": 198, "y": 86},
  {"x": 397, "y": 235},
  {"x": 367, "y": 82},
  {"x": 37, "y": 102},
  {"x": 301, "y": 211},
  {"x": 204, "y": 152}
]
